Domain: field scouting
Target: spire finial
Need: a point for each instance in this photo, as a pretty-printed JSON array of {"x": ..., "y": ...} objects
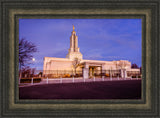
[{"x": 73, "y": 27}]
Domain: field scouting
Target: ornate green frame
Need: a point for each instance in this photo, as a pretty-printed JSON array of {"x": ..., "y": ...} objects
[{"x": 12, "y": 10}]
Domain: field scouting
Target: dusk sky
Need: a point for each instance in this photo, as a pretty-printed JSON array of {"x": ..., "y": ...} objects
[{"x": 98, "y": 39}]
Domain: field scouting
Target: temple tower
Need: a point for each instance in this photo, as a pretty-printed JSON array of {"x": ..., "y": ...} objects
[{"x": 74, "y": 50}]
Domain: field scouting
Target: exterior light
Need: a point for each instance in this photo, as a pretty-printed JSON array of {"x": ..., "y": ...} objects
[{"x": 33, "y": 59}]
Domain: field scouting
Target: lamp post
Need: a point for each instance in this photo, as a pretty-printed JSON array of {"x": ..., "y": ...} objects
[
  {"x": 33, "y": 59},
  {"x": 111, "y": 73},
  {"x": 20, "y": 73}
]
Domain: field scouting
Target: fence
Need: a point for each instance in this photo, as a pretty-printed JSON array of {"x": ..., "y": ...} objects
[
  {"x": 70, "y": 73},
  {"x": 134, "y": 74},
  {"x": 62, "y": 73},
  {"x": 107, "y": 73},
  {"x": 51, "y": 74},
  {"x": 116, "y": 73}
]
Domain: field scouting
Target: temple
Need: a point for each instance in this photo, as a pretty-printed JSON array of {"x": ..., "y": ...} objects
[{"x": 74, "y": 61}]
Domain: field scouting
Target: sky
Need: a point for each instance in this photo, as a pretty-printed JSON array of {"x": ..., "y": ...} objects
[{"x": 98, "y": 39}]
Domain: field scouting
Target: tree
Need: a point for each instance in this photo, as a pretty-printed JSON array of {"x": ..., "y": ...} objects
[
  {"x": 25, "y": 71},
  {"x": 140, "y": 69},
  {"x": 33, "y": 71},
  {"x": 75, "y": 63},
  {"x": 134, "y": 66},
  {"x": 26, "y": 50}
]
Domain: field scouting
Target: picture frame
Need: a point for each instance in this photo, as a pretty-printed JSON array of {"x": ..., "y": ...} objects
[{"x": 11, "y": 11}]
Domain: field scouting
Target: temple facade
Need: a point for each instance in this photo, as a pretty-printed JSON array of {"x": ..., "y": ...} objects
[{"x": 74, "y": 61}]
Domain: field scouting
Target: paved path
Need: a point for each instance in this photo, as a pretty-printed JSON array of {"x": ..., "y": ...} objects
[{"x": 74, "y": 80}]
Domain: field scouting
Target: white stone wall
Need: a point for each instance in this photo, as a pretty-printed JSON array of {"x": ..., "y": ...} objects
[
  {"x": 55, "y": 64},
  {"x": 134, "y": 69},
  {"x": 61, "y": 65},
  {"x": 51, "y": 63}
]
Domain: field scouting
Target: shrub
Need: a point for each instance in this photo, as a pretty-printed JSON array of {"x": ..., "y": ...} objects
[
  {"x": 67, "y": 75},
  {"x": 28, "y": 80},
  {"x": 78, "y": 75},
  {"x": 107, "y": 75},
  {"x": 134, "y": 76}
]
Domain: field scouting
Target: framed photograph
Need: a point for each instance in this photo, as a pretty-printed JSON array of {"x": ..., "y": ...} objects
[
  {"x": 79, "y": 58},
  {"x": 105, "y": 41}
]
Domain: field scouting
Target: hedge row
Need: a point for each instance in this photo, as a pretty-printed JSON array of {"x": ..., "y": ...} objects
[
  {"x": 29, "y": 80},
  {"x": 136, "y": 76}
]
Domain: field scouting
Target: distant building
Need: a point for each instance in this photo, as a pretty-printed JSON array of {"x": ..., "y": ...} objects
[{"x": 88, "y": 67}]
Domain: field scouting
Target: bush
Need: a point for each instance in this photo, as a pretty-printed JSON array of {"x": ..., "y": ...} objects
[
  {"x": 78, "y": 75},
  {"x": 136, "y": 76},
  {"x": 133, "y": 76},
  {"x": 107, "y": 75},
  {"x": 67, "y": 75},
  {"x": 28, "y": 80}
]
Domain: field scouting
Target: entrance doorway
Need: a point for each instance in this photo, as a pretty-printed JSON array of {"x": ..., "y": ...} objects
[
  {"x": 91, "y": 71},
  {"x": 95, "y": 71}
]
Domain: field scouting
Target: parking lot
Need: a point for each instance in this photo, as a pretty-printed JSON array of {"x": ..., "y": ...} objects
[{"x": 124, "y": 89}]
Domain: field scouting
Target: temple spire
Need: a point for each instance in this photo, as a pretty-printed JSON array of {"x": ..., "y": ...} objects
[
  {"x": 73, "y": 28},
  {"x": 74, "y": 50}
]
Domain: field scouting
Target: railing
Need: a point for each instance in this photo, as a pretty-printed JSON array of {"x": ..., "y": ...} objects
[
  {"x": 63, "y": 76},
  {"x": 52, "y": 73},
  {"x": 71, "y": 73},
  {"x": 107, "y": 73},
  {"x": 134, "y": 74}
]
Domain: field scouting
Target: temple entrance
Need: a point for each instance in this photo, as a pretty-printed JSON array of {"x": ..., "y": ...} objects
[{"x": 92, "y": 71}]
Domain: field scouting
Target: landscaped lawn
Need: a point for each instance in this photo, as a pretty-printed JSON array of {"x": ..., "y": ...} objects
[{"x": 128, "y": 89}]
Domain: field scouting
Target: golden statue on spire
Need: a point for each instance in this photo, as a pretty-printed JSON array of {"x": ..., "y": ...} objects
[{"x": 73, "y": 27}]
